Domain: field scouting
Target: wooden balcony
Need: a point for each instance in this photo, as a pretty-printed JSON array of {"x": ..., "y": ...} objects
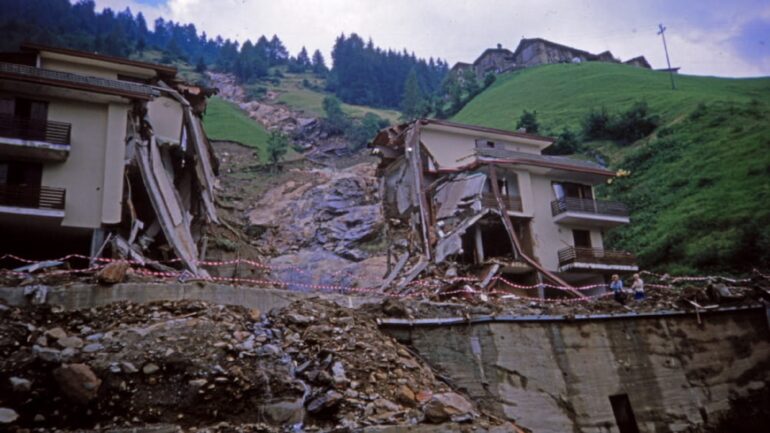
[
  {"x": 512, "y": 203},
  {"x": 596, "y": 258},
  {"x": 32, "y": 197},
  {"x": 571, "y": 210},
  {"x": 35, "y": 130}
]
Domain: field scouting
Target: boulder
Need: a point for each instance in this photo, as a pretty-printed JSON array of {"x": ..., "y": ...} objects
[
  {"x": 78, "y": 382},
  {"x": 113, "y": 273},
  {"x": 447, "y": 406}
]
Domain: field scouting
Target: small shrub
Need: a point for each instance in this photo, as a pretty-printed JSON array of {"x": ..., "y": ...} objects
[
  {"x": 596, "y": 124},
  {"x": 633, "y": 124},
  {"x": 528, "y": 121},
  {"x": 699, "y": 111},
  {"x": 566, "y": 143}
]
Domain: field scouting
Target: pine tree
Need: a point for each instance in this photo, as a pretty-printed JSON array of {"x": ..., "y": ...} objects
[
  {"x": 412, "y": 103},
  {"x": 303, "y": 61},
  {"x": 319, "y": 64}
]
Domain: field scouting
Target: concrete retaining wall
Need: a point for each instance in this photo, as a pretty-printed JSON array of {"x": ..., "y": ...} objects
[
  {"x": 78, "y": 296},
  {"x": 557, "y": 376}
]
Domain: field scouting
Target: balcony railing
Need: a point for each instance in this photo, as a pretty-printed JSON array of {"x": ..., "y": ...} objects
[
  {"x": 596, "y": 256},
  {"x": 35, "y": 197},
  {"x": 511, "y": 202},
  {"x": 33, "y": 129},
  {"x": 598, "y": 207}
]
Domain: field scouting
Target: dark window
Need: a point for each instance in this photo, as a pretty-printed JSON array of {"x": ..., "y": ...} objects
[
  {"x": 582, "y": 238},
  {"x": 576, "y": 190},
  {"x": 20, "y": 173},
  {"x": 624, "y": 414}
]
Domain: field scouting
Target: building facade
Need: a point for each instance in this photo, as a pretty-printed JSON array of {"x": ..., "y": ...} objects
[
  {"x": 444, "y": 179},
  {"x": 73, "y": 129}
]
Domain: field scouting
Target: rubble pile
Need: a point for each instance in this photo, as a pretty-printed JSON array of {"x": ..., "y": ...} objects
[{"x": 313, "y": 366}]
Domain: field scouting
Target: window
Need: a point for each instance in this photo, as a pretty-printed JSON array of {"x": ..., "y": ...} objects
[
  {"x": 624, "y": 414},
  {"x": 572, "y": 190},
  {"x": 582, "y": 238},
  {"x": 485, "y": 144}
]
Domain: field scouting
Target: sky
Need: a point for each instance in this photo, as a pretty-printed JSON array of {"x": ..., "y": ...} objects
[{"x": 705, "y": 37}]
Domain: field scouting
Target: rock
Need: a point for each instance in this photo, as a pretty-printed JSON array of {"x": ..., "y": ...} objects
[
  {"x": 298, "y": 319},
  {"x": 19, "y": 384},
  {"x": 8, "y": 415},
  {"x": 447, "y": 406},
  {"x": 197, "y": 383},
  {"x": 113, "y": 273},
  {"x": 73, "y": 342},
  {"x": 406, "y": 396},
  {"x": 56, "y": 333},
  {"x": 287, "y": 412},
  {"x": 338, "y": 373},
  {"x": 383, "y": 405},
  {"x": 128, "y": 367},
  {"x": 324, "y": 403},
  {"x": 150, "y": 368},
  {"x": 93, "y": 347},
  {"x": 47, "y": 354},
  {"x": 68, "y": 353},
  {"x": 269, "y": 350},
  {"x": 394, "y": 308},
  {"x": 78, "y": 382}
]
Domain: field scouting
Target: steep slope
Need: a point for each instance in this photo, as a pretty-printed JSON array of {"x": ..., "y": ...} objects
[{"x": 699, "y": 185}]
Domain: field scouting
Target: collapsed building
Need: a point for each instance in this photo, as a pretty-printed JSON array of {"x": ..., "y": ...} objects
[
  {"x": 98, "y": 150},
  {"x": 488, "y": 200}
]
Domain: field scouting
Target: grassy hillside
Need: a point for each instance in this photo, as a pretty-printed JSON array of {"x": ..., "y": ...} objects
[
  {"x": 700, "y": 184},
  {"x": 226, "y": 121},
  {"x": 296, "y": 95}
]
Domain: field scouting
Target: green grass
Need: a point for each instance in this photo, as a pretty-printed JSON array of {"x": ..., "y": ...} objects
[
  {"x": 700, "y": 185},
  {"x": 226, "y": 121},
  {"x": 295, "y": 95}
]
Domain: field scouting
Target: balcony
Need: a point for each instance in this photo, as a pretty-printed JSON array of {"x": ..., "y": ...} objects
[
  {"x": 573, "y": 258},
  {"x": 571, "y": 210},
  {"x": 32, "y": 138},
  {"x": 512, "y": 203},
  {"x": 32, "y": 200}
]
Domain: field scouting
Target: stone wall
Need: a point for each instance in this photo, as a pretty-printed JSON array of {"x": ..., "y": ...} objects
[{"x": 558, "y": 376}]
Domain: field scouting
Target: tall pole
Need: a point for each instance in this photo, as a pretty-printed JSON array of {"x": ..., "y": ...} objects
[{"x": 662, "y": 32}]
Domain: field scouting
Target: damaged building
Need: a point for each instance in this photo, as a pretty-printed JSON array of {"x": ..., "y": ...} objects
[
  {"x": 102, "y": 154},
  {"x": 488, "y": 201}
]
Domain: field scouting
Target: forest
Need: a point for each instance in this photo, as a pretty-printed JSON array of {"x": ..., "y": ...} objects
[{"x": 361, "y": 72}]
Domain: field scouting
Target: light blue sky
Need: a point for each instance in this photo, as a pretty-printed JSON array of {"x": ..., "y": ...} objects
[{"x": 706, "y": 37}]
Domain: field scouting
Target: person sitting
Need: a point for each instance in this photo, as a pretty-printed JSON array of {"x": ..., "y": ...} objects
[
  {"x": 638, "y": 287},
  {"x": 617, "y": 288}
]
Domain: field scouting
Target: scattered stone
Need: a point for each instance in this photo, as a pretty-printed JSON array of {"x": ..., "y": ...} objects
[
  {"x": 78, "y": 382},
  {"x": 113, "y": 273},
  {"x": 128, "y": 367},
  {"x": 71, "y": 341},
  {"x": 19, "y": 384},
  {"x": 8, "y": 415},
  {"x": 406, "y": 396},
  {"x": 394, "y": 308},
  {"x": 447, "y": 406},
  {"x": 150, "y": 368},
  {"x": 93, "y": 347},
  {"x": 56, "y": 333},
  {"x": 298, "y": 319},
  {"x": 47, "y": 354},
  {"x": 324, "y": 403}
]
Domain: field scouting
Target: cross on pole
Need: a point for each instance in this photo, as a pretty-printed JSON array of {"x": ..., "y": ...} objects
[{"x": 662, "y": 33}]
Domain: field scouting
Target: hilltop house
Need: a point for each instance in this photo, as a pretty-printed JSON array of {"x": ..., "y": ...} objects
[
  {"x": 489, "y": 200},
  {"x": 533, "y": 52},
  {"x": 96, "y": 148}
]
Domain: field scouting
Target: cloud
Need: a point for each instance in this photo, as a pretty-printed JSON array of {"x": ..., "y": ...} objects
[{"x": 708, "y": 37}]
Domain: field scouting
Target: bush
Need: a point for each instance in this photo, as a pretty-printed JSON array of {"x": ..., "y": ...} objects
[
  {"x": 335, "y": 120},
  {"x": 361, "y": 131},
  {"x": 631, "y": 125},
  {"x": 596, "y": 124},
  {"x": 256, "y": 93},
  {"x": 528, "y": 121},
  {"x": 489, "y": 79},
  {"x": 635, "y": 123},
  {"x": 277, "y": 146},
  {"x": 566, "y": 143}
]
